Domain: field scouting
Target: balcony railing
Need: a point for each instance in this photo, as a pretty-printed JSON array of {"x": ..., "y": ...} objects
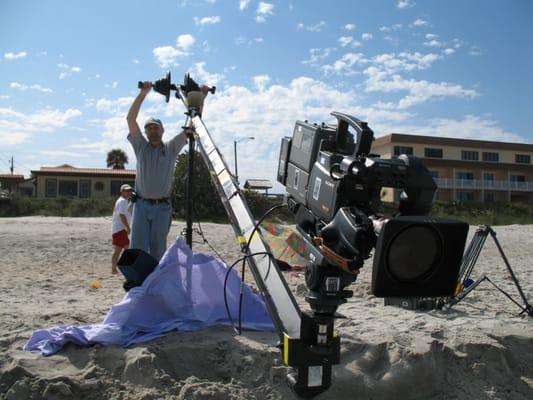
[{"x": 448, "y": 183}]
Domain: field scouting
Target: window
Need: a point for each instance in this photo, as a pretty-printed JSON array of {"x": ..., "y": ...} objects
[
  {"x": 99, "y": 186},
  {"x": 115, "y": 186},
  {"x": 522, "y": 158},
  {"x": 85, "y": 189},
  {"x": 469, "y": 155},
  {"x": 491, "y": 156},
  {"x": 464, "y": 175},
  {"x": 518, "y": 178},
  {"x": 68, "y": 188},
  {"x": 464, "y": 195},
  {"x": 488, "y": 176},
  {"x": 433, "y": 153},
  {"x": 51, "y": 188},
  {"x": 434, "y": 174},
  {"x": 489, "y": 197},
  {"x": 403, "y": 150}
]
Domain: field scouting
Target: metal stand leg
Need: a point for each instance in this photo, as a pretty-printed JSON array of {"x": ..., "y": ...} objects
[{"x": 469, "y": 260}]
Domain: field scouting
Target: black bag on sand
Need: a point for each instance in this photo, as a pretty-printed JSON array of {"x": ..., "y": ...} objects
[{"x": 135, "y": 265}]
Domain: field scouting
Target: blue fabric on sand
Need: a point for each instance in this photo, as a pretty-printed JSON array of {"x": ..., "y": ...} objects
[{"x": 184, "y": 293}]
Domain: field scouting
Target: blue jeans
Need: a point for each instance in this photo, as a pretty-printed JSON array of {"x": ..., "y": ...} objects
[{"x": 150, "y": 226}]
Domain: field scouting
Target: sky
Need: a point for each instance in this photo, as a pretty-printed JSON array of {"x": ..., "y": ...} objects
[{"x": 69, "y": 72}]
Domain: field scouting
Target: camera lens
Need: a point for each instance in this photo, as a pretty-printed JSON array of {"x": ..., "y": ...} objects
[{"x": 414, "y": 253}]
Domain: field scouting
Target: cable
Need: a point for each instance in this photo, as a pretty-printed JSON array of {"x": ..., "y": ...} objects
[{"x": 239, "y": 329}]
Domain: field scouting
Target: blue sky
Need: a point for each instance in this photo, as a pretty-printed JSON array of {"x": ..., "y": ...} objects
[{"x": 69, "y": 72}]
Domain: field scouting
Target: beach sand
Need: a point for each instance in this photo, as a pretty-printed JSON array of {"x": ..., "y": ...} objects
[{"x": 480, "y": 349}]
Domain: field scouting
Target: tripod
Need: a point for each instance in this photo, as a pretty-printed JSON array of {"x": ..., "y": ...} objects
[{"x": 466, "y": 285}]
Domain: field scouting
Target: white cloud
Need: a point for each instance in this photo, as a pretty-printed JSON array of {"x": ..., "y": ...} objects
[
  {"x": 367, "y": 36},
  {"x": 135, "y": 61},
  {"x": 468, "y": 127},
  {"x": 4, "y": 96},
  {"x": 260, "y": 82},
  {"x": 345, "y": 65},
  {"x": 17, "y": 127},
  {"x": 166, "y": 56},
  {"x": 430, "y": 36},
  {"x": 403, "y": 4},
  {"x": 23, "y": 87},
  {"x": 67, "y": 70},
  {"x": 419, "y": 22},
  {"x": 243, "y": 4},
  {"x": 207, "y": 20},
  {"x": 112, "y": 85},
  {"x": 313, "y": 28},
  {"x": 205, "y": 77},
  {"x": 448, "y": 51},
  {"x": 263, "y": 11},
  {"x": 240, "y": 40},
  {"x": 418, "y": 91},
  {"x": 433, "y": 43},
  {"x": 317, "y": 55},
  {"x": 185, "y": 42},
  {"x": 345, "y": 40},
  {"x": 15, "y": 56},
  {"x": 349, "y": 27},
  {"x": 391, "y": 28},
  {"x": 404, "y": 61}
]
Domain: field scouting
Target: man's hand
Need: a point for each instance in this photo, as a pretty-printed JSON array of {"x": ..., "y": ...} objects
[
  {"x": 146, "y": 87},
  {"x": 204, "y": 89}
]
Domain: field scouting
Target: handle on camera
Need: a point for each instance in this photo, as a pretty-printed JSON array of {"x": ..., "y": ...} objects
[{"x": 365, "y": 135}]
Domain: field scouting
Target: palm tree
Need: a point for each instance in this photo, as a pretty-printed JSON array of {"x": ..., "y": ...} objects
[{"x": 117, "y": 159}]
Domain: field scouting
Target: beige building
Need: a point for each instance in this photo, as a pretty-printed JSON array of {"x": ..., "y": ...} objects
[
  {"x": 84, "y": 183},
  {"x": 467, "y": 170}
]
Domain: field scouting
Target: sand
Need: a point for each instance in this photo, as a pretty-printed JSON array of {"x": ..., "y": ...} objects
[{"x": 480, "y": 349}]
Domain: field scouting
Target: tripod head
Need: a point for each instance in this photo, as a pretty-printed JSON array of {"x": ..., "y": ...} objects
[{"x": 164, "y": 86}]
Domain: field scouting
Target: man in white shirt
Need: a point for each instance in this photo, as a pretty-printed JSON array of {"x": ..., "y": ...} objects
[{"x": 120, "y": 226}]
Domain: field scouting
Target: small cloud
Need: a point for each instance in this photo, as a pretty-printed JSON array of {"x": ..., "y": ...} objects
[
  {"x": 15, "y": 56},
  {"x": 113, "y": 85},
  {"x": 135, "y": 61},
  {"x": 448, "y": 51},
  {"x": 243, "y": 4},
  {"x": 475, "y": 51},
  {"x": 431, "y": 36},
  {"x": 345, "y": 40},
  {"x": 68, "y": 70},
  {"x": 22, "y": 87},
  {"x": 263, "y": 11},
  {"x": 367, "y": 36},
  {"x": 42, "y": 53},
  {"x": 207, "y": 20},
  {"x": 433, "y": 43},
  {"x": 349, "y": 27},
  {"x": 4, "y": 96},
  {"x": 166, "y": 56},
  {"x": 312, "y": 28},
  {"x": 404, "y": 4},
  {"x": 185, "y": 42},
  {"x": 419, "y": 22}
]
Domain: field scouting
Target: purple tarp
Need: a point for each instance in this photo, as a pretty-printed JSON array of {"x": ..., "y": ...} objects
[{"x": 184, "y": 293}]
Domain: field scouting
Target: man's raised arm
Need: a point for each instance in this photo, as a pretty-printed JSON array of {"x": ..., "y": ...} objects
[{"x": 133, "y": 126}]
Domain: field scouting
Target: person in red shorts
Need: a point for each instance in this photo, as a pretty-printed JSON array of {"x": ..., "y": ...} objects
[{"x": 120, "y": 226}]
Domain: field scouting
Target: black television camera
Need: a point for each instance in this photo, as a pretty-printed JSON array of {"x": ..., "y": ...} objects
[{"x": 334, "y": 188}]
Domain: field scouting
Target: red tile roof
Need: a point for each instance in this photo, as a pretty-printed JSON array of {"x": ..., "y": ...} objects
[
  {"x": 83, "y": 171},
  {"x": 14, "y": 177}
]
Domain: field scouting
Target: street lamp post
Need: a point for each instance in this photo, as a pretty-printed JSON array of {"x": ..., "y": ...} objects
[{"x": 235, "y": 155}]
